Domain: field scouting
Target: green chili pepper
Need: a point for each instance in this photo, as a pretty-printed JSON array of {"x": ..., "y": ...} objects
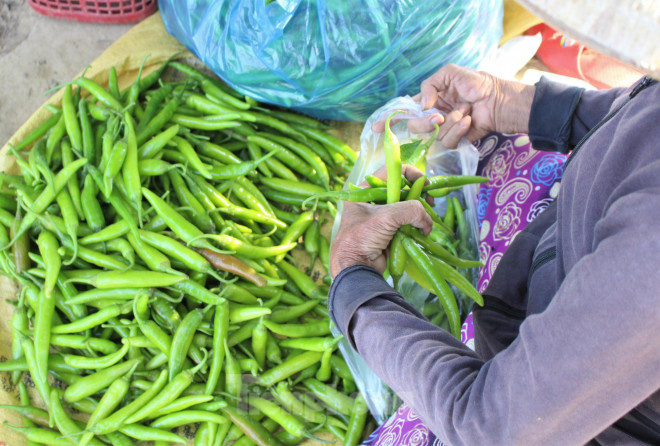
[
  {"x": 315, "y": 344},
  {"x": 48, "y": 247},
  {"x": 325, "y": 370},
  {"x": 233, "y": 382},
  {"x": 169, "y": 393},
  {"x": 292, "y": 160},
  {"x": 286, "y": 314},
  {"x": 39, "y": 435},
  {"x": 88, "y": 148},
  {"x": 47, "y": 196},
  {"x": 319, "y": 328},
  {"x": 331, "y": 397},
  {"x": 398, "y": 257},
  {"x": 251, "y": 251},
  {"x": 213, "y": 90},
  {"x": 19, "y": 326},
  {"x": 124, "y": 279},
  {"x": 188, "y": 232},
  {"x": 209, "y": 107},
  {"x": 439, "y": 284},
  {"x": 180, "y": 418},
  {"x": 313, "y": 414},
  {"x": 92, "y": 210},
  {"x": 156, "y": 124},
  {"x": 93, "y": 320},
  {"x": 179, "y": 405},
  {"x": 288, "y": 367},
  {"x": 154, "y": 145},
  {"x": 114, "y": 421},
  {"x": 110, "y": 400},
  {"x": 40, "y": 380},
  {"x": 330, "y": 141},
  {"x": 438, "y": 250},
  {"x": 220, "y": 329},
  {"x": 71, "y": 121},
  {"x": 251, "y": 215},
  {"x": 357, "y": 421},
  {"x": 303, "y": 281},
  {"x": 182, "y": 340},
  {"x": 145, "y": 433},
  {"x": 288, "y": 422},
  {"x": 309, "y": 156},
  {"x": 250, "y": 427},
  {"x": 99, "y": 93}
]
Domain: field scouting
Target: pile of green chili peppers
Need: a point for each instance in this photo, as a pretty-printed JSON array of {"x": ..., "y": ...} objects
[{"x": 150, "y": 231}]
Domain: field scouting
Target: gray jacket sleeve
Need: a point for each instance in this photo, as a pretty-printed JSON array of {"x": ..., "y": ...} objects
[{"x": 561, "y": 115}]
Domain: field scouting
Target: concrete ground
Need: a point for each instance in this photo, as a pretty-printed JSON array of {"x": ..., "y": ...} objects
[{"x": 39, "y": 52}]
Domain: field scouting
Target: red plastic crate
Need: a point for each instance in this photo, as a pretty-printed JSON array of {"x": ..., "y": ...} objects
[{"x": 121, "y": 11}]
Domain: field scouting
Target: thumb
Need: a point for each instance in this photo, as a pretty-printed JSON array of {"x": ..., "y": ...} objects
[{"x": 409, "y": 213}]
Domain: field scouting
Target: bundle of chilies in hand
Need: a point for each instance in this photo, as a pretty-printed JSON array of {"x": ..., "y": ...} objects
[
  {"x": 432, "y": 261},
  {"x": 151, "y": 232}
]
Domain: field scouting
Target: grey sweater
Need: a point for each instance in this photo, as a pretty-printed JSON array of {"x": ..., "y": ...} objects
[{"x": 574, "y": 357}]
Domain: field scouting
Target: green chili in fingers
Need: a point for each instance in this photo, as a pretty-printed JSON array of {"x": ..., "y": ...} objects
[{"x": 392, "y": 161}]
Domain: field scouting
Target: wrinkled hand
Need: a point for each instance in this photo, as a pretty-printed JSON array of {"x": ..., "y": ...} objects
[
  {"x": 366, "y": 230},
  {"x": 472, "y": 104}
]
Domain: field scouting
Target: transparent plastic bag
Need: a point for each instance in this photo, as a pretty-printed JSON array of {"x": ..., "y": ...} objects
[
  {"x": 333, "y": 59},
  {"x": 439, "y": 161}
]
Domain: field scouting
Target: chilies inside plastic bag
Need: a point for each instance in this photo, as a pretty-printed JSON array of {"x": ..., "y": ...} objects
[
  {"x": 439, "y": 161},
  {"x": 333, "y": 59}
]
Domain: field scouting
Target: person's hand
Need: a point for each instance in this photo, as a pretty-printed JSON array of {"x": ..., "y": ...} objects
[
  {"x": 472, "y": 105},
  {"x": 366, "y": 230}
]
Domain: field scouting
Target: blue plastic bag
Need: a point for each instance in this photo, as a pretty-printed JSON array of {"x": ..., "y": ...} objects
[{"x": 339, "y": 59}]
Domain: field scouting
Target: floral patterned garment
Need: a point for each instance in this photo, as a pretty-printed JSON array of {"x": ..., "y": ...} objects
[{"x": 522, "y": 182}]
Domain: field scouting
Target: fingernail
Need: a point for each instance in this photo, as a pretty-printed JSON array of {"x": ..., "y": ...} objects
[{"x": 437, "y": 120}]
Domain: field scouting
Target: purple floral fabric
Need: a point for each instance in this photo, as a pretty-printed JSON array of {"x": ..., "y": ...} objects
[{"x": 522, "y": 182}]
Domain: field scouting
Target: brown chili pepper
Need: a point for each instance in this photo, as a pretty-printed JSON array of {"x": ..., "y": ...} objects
[{"x": 232, "y": 265}]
